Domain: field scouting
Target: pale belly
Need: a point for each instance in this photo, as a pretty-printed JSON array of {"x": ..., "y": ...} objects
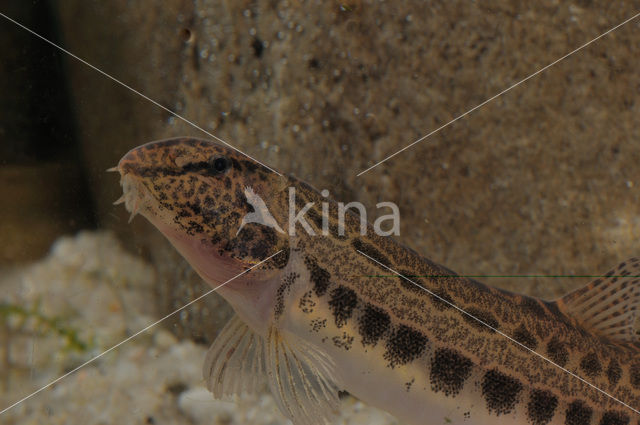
[{"x": 405, "y": 391}]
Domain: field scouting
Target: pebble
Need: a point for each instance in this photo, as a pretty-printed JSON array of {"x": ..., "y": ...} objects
[{"x": 97, "y": 288}]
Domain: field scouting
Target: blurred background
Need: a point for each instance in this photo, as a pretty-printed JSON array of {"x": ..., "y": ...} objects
[{"x": 542, "y": 181}]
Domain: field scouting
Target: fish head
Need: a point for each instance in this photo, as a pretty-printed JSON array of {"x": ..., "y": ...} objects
[{"x": 195, "y": 192}]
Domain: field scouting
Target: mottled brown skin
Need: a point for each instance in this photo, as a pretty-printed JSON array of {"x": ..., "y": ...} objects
[
  {"x": 205, "y": 203},
  {"x": 510, "y": 375},
  {"x": 410, "y": 323}
]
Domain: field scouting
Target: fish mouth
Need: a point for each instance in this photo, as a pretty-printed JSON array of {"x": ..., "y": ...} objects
[{"x": 135, "y": 195}]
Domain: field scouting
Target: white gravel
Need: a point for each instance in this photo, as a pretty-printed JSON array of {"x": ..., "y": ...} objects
[{"x": 96, "y": 288}]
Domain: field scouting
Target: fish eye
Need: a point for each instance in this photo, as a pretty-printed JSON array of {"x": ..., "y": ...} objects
[{"x": 220, "y": 164}]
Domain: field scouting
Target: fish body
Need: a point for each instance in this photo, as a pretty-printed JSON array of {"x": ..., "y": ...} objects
[{"x": 345, "y": 311}]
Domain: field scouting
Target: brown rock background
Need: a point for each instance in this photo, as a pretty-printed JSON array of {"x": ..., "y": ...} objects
[{"x": 541, "y": 181}]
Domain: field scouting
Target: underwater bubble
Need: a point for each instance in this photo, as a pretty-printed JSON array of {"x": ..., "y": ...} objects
[
  {"x": 264, "y": 144},
  {"x": 295, "y": 128},
  {"x": 247, "y": 13}
]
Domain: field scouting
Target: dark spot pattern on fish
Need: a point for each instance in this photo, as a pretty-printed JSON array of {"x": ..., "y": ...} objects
[
  {"x": 614, "y": 372},
  {"x": 590, "y": 365},
  {"x": 449, "y": 371},
  {"x": 557, "y": 352},
  {"x": 372, "y": 252},
  {"x": 578, "y": 413},
  {"x": 282, "y": 290},
  {"x": 404, "y": 345},
  {"x": 487, "y": 322},
  {"x": 500, "y": 391},
  {"x": 319, "y": 276},
  {"x": 374, "y": 322},
  {"x": 541, "y": 407},
  {"x": 613, "y": 417},
  {"x": 342, "y": 303},
  {"x": 524, "y": 337},
  {"x": 634, "y": 372}
]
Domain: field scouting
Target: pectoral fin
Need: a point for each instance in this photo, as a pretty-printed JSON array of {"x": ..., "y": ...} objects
[
  {"x": 302, "y": 379},
  {"x": 235, "y": 363},
  {"x": 300, "y": 376}
]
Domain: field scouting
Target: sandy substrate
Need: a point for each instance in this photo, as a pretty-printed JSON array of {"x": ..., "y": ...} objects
[{"x": 90, "y": 292}]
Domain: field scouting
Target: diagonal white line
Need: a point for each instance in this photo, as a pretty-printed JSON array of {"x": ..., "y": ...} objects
[
  {"x": 501, "y": 333},
  {"x": 134, "y": 335},
  {"x": 499, "y": 94},
  {"x": 362, "y": 253},
  {"x": 175, "y": 114}
]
